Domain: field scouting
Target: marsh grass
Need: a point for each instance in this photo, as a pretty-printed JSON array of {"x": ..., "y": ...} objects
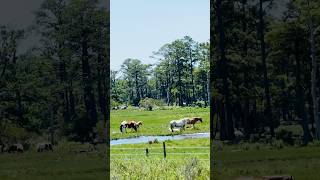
[
  {"x": 158, "y": 168},
  {"x": 175, "y": 166},
  {"x": 234, "y": 161}
]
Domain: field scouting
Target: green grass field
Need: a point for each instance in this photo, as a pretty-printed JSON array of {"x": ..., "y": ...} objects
[
  {"x": 231, "y": 161},
  {"x": 260, "y": 160},
  {"x": 65, "y": 164},
  {"x": 157, "y": 122},
  {"x": 60, "y": 164},
  {"x": 176, "y": 166}
]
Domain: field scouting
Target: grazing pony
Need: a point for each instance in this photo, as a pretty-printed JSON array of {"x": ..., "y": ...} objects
[
  {"x": 16, "y": 148},
  {"x": 138, "y": 124},
  {"x": 131, "y": 124},
  {"x": 41, "y": 147},
  {"x": 194, "y": 120},
  {"x": 178, "y": 124}
]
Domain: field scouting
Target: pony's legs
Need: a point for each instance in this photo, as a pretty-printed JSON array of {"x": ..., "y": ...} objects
[{"x": 121, "y": 129}]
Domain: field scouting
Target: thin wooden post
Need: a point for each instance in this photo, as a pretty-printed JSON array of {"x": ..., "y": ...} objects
[
  {"x": 164, "y": 150},
  {"x": 147, "y": 152}
]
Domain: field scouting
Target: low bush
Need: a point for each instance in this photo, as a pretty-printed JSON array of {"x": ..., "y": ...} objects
[
  {"x": 114, "y": 104},
  {"x": 285, "y": 135},
  {"x": 199, "y": 104},
  {"x": 279, "y": 144},
  {"x": 254, "y": 138},
  {"x": 149, "y": 103}
]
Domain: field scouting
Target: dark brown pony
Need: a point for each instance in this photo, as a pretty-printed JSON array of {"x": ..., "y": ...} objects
[
  {"x": 194, "y": 120},
  {"x": 130, "y": 124}
]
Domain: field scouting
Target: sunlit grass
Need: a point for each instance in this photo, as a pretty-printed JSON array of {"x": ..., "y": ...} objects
[{"x": 157, "y": 122}]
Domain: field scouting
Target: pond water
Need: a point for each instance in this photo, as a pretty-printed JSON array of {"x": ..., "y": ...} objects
[{"x": 145, "y": 139}]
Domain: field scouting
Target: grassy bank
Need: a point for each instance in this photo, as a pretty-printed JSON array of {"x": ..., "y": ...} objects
[
  {"x": 63, "y": 163},
  {"x": 157, "y": 122},
  {"x": 256, "y": 160}
]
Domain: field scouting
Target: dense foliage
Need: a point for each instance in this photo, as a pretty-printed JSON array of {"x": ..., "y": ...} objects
[
  {"x": 180, "y": 77},
  {"x": 264, "y": 67},
  {"x": 59, "y": 87}
]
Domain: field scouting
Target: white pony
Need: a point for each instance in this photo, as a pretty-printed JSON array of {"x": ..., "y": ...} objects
[{"x": 178, "y": 123}]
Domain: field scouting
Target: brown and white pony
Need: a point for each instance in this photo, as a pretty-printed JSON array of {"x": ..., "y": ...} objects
[
  {"x": 130, "y": 124},
  {"x": 194, "y": 120},
  {"x": 138, "y": 124}
]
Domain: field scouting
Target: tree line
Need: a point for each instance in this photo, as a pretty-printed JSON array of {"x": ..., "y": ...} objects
[
  {"x": 180, "y": 76},
  {"x": 60, "y": 86},
  {"x": 264, "y": 67}
]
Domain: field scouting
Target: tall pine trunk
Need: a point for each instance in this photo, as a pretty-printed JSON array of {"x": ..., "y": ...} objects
[
  {"x": 268, "y": 111},
  {"x": 246, "y": 121},
  {"x": 312, "y": 32},
  {"x": 300, "y": 103},
  {"x": 89, "y": 100},
  {"x": 192, "y": 78},
  {"x": 227, "y": 130},
  {"x": 180, "y": 102},
  {"x": 102, "y": 68}
]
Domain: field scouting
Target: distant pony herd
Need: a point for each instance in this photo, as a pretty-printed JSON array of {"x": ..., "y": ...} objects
[
  {"x": 180, "y": 124},
  {"x": 19, "y": 148}
]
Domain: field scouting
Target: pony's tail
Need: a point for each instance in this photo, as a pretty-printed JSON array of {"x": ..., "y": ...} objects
[
  {"x": 171, "y": 126},
  {"x": 121, "y": 128}
]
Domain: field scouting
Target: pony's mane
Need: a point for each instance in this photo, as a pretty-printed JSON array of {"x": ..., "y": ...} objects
[{"x": 197, "y": 118}]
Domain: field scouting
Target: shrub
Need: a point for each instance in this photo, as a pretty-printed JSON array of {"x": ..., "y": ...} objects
[
  {"x": 279, "y": 144},
  {"x": 14, "y": 134},
  {"x": 254, "y": 138},
  {"x": 114, "y": 104},
  {"x": 285, "y": 136},
  {"x": 150, "y": 104},
  {"x": 169, "y": 108},
  {"x": 199, "y": 104},
  {"x": 245, "y": 146},
  {"x": 315, "y": 143}
]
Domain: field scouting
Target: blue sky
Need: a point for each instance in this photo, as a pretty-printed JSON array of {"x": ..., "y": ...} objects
[{"x": 139, "y": 27}]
